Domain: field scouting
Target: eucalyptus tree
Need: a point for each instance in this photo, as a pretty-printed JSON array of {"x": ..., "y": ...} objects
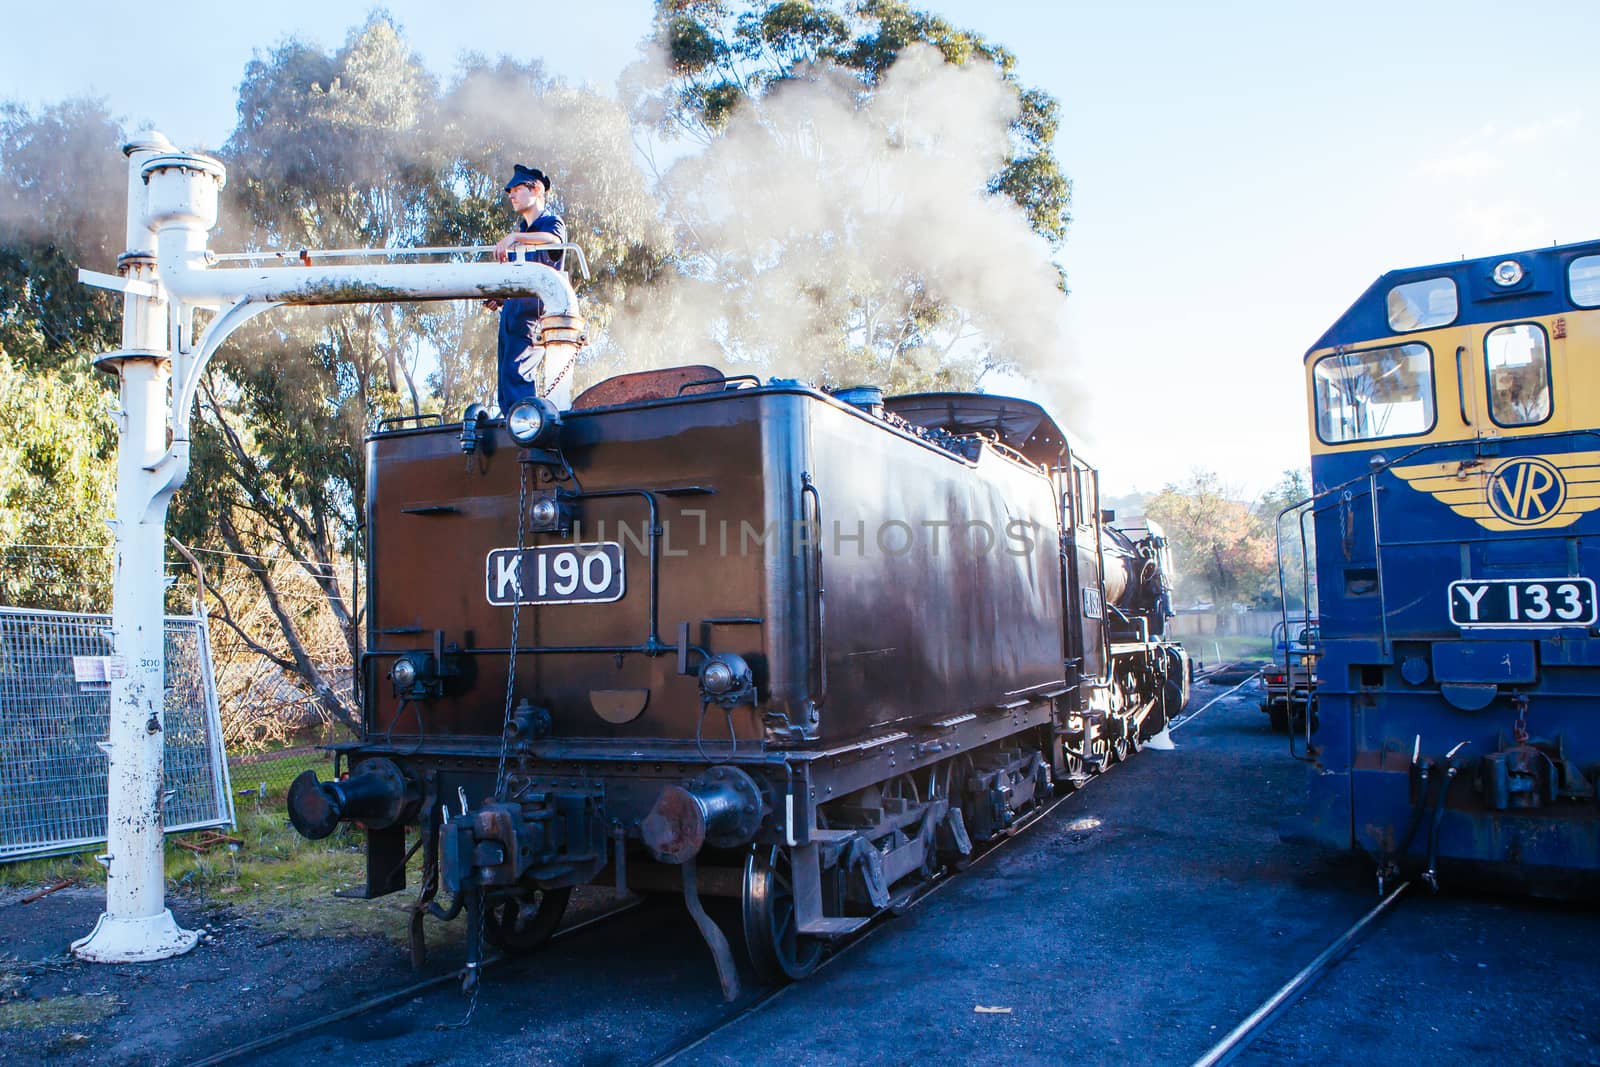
[
  {"x": 61, "y": 207},
  {"x": 724, "y": 55},
  {"x": 363, "y": 148}
]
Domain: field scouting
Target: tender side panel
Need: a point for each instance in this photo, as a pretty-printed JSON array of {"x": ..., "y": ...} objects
[{"x": 942, "y": 580}]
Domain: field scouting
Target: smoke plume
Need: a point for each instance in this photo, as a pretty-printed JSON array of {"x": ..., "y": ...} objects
[{"x": 825, "y": 235}]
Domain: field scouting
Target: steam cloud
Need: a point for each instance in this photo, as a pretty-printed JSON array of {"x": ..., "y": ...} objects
[{"x": 815, "y": 213}]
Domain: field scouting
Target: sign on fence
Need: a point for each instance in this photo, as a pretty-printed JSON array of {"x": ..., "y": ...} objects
[{"x": 55, "y": 708}]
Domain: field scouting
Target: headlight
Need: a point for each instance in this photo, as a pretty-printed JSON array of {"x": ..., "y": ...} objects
[
  {"x": 718, "y": 678},
  {"x": 726, "y": 679},
  {"x": 404, "y": 674},
  {"x": 1507, "y": 272},
  {"x": 533, "y": 423},
  {"x": 544, "y": 514}
]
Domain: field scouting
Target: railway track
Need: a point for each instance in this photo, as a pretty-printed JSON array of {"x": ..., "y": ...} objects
[
  {"x": 384, "y": 1001},
  {"x": 1270, "y": 1010},
  {"x": 1033, "y": 819},
  {"x": 1191, "y": 716},
  {"x": 387, "y": 1000},
  {"x": 1039, "y": 816},
  {"x": 1256, "y": 1023}
]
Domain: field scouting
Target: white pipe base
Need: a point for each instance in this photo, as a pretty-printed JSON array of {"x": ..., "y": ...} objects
[{"x": 119, "y": 940}]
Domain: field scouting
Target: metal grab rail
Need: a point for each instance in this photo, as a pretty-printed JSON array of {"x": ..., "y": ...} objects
[
  {"x": 816, "y": 622},
  {"x": 308, "y": 254}
]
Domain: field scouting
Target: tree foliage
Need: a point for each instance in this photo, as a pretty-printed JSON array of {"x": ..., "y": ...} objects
[
  {"x": 62, "y": 205},
  {"x": 362, "y": 147},
  {"x": 1298, "y": 556},
  {"x": 58, "y": 454},
  {"x": 1224, "y": 551}
]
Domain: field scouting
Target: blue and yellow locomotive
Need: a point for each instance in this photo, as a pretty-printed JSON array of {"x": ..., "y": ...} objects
[{"x": 1456, "y": 462}]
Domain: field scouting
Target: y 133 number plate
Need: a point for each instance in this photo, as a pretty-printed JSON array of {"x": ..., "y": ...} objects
[{"x": 1523, "y": 602}]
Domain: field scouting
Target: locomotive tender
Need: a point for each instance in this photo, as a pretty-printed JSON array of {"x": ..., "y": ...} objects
[
  {"x": 754, "y": 640},
  {"x": 1457, "y": 475}
]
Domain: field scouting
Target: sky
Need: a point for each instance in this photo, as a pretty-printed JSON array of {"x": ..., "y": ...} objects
[{"x": 1241, "y": 171}]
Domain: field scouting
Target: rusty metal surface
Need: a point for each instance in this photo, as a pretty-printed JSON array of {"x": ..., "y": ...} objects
[
  {"x": 647, "y": 385},
  {"x": 733, "y": 565},
  {"x": 924, "y": 619}
]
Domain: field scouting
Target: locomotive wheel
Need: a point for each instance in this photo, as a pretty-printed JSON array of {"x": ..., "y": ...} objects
[
  {"x": 1119, "y": 749},
  {"x": 521, "y": 924},
  {"x": 778, "y": 950}
]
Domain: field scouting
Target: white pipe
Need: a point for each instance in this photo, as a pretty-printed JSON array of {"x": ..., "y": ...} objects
[
  {"x": 376, "y": 283},
  {"x": 400, "y": 252},
  {"x": 136, "y": 925},
  {"x": 182, "y": 207}
]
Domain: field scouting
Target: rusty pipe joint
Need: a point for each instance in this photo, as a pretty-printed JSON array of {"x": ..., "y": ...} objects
[
  {"x": 722, "y": 808},
  {"x": 377, "y": 793}
]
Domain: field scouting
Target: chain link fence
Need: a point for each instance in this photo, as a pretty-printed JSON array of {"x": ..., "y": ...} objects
[
  {"x": 55, "y": 712},
  {"x": 267, "y": 774}
]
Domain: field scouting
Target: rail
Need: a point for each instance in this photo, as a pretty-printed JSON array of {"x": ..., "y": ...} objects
[
  {"x": 306, "y": 255},
  {"x": 1239, "y": 1038}
]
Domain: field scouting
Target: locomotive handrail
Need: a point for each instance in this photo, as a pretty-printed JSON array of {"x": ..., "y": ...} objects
[
  {"x": 305, "y": 255},
  {"x": 814, "y": 591},
  {"x": 419, "y": 419},
  {"x": 722, "y": 381}
]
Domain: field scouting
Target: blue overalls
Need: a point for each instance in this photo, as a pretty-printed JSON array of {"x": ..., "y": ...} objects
[{"x": 519, "y": 316}]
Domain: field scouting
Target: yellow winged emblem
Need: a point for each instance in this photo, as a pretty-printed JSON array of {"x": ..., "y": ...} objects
[{"x": 1513, "y": 493}]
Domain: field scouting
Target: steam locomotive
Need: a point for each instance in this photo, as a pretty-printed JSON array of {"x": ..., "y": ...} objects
[{"x": 747, "y": 639}]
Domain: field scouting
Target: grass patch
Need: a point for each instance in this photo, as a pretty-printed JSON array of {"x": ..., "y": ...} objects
[
  {"x": 69, "y": 1009},
  {"x": 278, "y": 878}
]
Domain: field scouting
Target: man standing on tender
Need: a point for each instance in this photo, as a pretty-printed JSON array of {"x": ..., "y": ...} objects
[{"x": 519, "y": 350}]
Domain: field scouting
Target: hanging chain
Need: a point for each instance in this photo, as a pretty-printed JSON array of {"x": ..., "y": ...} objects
[
  {"x": 552, "y": 386},
  {"x": 1519, "y": 728},
  {"x": 505, "y": 727},
  {"x": 516, "y": 620}
]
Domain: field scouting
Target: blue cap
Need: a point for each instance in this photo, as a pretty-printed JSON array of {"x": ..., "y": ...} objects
[{"x": 521, "y": 175}]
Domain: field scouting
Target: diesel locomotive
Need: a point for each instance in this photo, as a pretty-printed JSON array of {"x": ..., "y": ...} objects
[
  {"x": 736, "y": 638},
  {"x": 1456, "y": 466}
]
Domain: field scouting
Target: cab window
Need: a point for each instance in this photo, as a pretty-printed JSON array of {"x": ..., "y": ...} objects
[
  {"x": 1379, "y": 392},
  {"x": 1519, "y": 374},
  {"x": 1422, "y": 305},
  {"x": 1088, "y": 506},
  {"x": 1583, "y": 280}
]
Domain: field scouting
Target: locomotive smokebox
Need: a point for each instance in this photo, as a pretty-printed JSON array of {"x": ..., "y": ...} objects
[
  {"x": 721, "y": 808},
  {"x": 377, "y": 793}
]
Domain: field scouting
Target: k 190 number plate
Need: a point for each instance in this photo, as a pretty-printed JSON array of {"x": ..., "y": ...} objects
[
  {"x": 556, "y": 574},
  {"x": 1523, "y": 602}
]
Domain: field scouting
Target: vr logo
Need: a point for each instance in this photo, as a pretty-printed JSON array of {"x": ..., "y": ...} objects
[{"x": 1526, "y": 491}]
